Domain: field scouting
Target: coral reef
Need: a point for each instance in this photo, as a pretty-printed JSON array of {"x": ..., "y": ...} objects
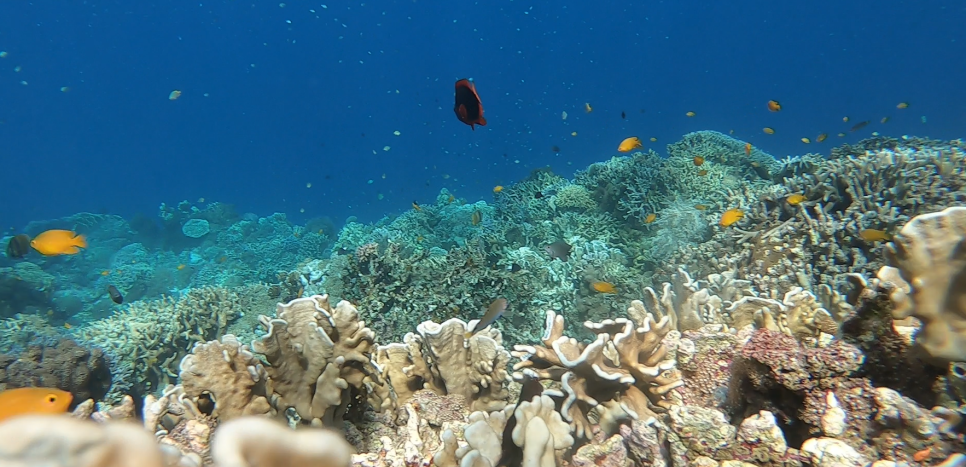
[{"x": 63, "y": 364}]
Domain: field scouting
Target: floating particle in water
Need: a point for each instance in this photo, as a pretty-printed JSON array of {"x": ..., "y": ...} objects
[
  {"x": 17, "y": 69},
  {"x": 64, "y": 89},
  {"x": 308, "y": 185},
  {"x": 380, "y": 196},
  {"x": 3, "y": 54},
  {"x": 302, "y": 210}
]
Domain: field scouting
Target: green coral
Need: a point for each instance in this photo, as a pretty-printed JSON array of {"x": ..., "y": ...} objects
[{"x": 575, "y": 197}]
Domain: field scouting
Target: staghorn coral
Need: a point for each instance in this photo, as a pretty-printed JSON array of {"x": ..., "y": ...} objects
[
  {"x": 149, "y": 339},
  {"x": 319, "y": 360},
  {"x": 440, "y": 358},
  {"x": 929, "y": 254},
  {"x": 623, "y": 374}
]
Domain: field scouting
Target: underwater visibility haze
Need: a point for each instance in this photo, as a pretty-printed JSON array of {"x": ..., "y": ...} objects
[{"x": 494, "y": 233}]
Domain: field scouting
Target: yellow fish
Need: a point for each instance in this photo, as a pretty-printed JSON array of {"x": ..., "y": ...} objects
[
  {"x": 821, "y": 137},
  {"x": 731, "y": 216},
  {"x": 806, "y": 140},
  {"x": 58, "y": 242},
  {"x": 497, "y": 188},
  {"x": 903, "y": 105},
  {"x": 650, "y": 218},
  {"x": 603, "y": 287},
  {"x": 768, "y": 130},
  {"x": 24, "y": 401},
  {"x": 795, "y": 199},
  {"x": 690, "y": 114},
  {"x": 875, "y": 235},
  {"x": 630, "y": 144}
]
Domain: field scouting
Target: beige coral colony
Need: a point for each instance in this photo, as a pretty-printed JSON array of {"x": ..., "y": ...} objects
[{"x": 792, "y": 338}]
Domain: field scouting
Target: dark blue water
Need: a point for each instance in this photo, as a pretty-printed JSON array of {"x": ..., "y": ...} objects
[{"x": 275, "y": 96}]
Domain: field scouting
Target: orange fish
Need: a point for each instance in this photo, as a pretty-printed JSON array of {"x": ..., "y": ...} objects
[
  {"x": 650, "y": 218},
  {"x": 747, "y": 149},
  {"x": 922, "y": 455},
  {"x": 468, "y": 107},
  {"x": 698, "y": 160},
  {"x": 58, "y": 242},
  {"x": 730, "y": 217},
  {"x": 774, "y": 106},
  {"x": 24, "y": 401},
  {"x": 795, "y": 199},
  {"x": 768, "y": 130},
  {"x": 497, "y": 188},
  {"x": 629, "y": 144},
  {"x": 603, "y": 287}
]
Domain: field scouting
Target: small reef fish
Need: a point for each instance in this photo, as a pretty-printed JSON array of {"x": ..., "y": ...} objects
[
  {"x": 623, "y": 115},
  {"x": 476, "y": 217},
  {"x": 650, "y": 218},
  {"x": 630, "y": 144},
  {"x": 702, "y": 173},
  {"x": 859, "y": 126},
  {"x": 653, "y": 139},
  {"x": 841, "y": 135},
  {"x": 747, "y": 149},
  {"x": 875, "y": 235},
  {"x": 115, "y": 294},
  {"x": 416, "y": 206},
  {"x": 18, "y": 246},
  {"x": 468, "y": 107},
  {"x": 58, "y": 242},
  {"x": 730, "y": 217},
  {"x": 181, "y": 267},
  {"x": 174, "y": 95},
  {"x": 690, "y": 114},
  {"x": 701, "y": 207},
  {"x": 698, "y": 160},
  {"x": 587, "y": 107},
  {"x": 603, "y": 287},
  {"x": 555, "y": 148},
  {"x": 845, "y": 119},
  {"x": 23, "y": 401},
  {"x": 559, "y": 250},
  {"x": 795, "y": 199},
  {"x": 105, "y": 273},
  {"x": 806, "y": 140},
  {"x": 821, "y": 137},
  {"x": 774, "y": 106},
  {"x": 448, "y": 200},
  {"x": 902, "y": 105},
  {"x": 768, "y": 130},
  {"x": 884, "y": 120},
  {"x": 497, "y": 189},
  {"x": 493, "y": 312}
]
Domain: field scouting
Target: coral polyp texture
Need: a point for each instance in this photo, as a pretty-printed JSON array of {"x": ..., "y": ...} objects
[{"x": 825, "y": 327}]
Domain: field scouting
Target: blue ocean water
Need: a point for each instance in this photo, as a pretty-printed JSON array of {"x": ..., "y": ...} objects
[{"x": 277, "y": 95}]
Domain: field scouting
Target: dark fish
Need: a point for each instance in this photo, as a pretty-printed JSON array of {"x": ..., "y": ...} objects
[
  {"x": 513, "y": 454},
  {"x": 623, "y": 115},
  {"x": 538, "y": 195},
  {"x": 493, "y": 312},
  {"x": 555, "y": 148},
  {"x": 468, "y": 107},
  {"x": 560, "y": 249},
  {"x": 19, "y": 246},
  {"x": 859, "y": 126},
  {"x": 115, "y": 294},
  {"x": 515, "y": 267}
]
